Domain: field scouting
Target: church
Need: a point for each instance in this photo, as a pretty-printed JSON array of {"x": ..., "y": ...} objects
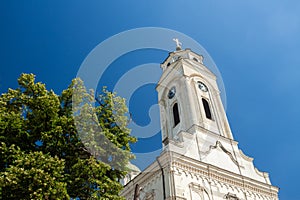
[{"x": 200, "y": 158}]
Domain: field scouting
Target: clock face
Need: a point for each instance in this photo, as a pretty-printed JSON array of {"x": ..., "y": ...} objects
[
  {"x": 172, "y": 92},
  {"x": 202, "y": 87}
]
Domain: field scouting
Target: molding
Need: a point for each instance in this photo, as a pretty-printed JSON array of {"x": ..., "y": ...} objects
[
  {"x": 199, "y": 189},
  {"x": 176, "y": 198},
  {"x": 219, "y": 144},
  {"x": 226, "y": 178},
  {"x": 198, "y": 68},
  {"x": 197, "y": 171},
  {"x": 195, "y": 128},
  {"x": 151, "y": 173},
  {"x": 262, "y": 174},
  {"x": 245, "y": 157}
]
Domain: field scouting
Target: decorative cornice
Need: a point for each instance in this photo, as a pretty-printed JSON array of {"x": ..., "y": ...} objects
[
  {"x": 198, "y": 170},
  {"x": 225, "y": 177}
]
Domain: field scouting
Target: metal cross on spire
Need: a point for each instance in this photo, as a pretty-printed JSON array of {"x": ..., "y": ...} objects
[{"x": 178, "y": 44}]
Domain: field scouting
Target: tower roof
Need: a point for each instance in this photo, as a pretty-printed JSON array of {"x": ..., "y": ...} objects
[{"x": 187, "y": 55}]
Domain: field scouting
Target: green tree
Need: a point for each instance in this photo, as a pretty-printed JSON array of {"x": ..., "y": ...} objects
[{"x": 62, "y": 146}]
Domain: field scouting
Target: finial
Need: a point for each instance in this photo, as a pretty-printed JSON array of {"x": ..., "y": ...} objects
[{"x": 178, "y": 44}]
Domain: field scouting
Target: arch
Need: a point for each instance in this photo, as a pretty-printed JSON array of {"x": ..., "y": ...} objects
[
  {"x": 198, "y": 192},
  {"x": 206, "y": 108},
  {"x": 176, "y": 116}
]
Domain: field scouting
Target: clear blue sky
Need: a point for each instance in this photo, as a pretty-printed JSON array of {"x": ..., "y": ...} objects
[{"x": 255, "y": 45}]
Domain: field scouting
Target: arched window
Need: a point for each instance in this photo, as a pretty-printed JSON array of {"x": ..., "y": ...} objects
[
  {"x": 206, "y": 109},
  {"x": 176, "y": 114}
]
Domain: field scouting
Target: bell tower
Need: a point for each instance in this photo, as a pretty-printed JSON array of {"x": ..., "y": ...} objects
[
  {"x": 189, "y": 97},
  {"x": 200, "y": 158}
]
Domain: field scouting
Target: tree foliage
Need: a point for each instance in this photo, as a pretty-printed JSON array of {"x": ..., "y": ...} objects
[{"x": 62, "y": 146}]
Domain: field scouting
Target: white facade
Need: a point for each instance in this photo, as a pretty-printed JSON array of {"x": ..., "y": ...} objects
[{"x": 200, "y": 159}]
